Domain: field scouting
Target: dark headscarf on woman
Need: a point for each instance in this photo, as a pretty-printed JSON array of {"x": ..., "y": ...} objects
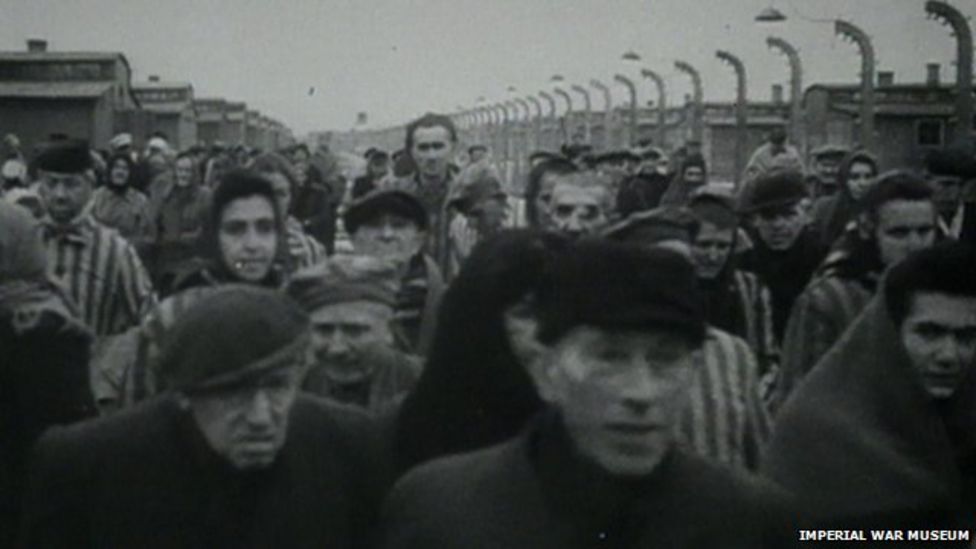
[
  {"x": 840, "y": 209},
  {"x": 723, "y": 306},
  {"x": 474, "y": 392},
  {"x": 235, "y": 185},
  {"x": 860, "y": 444},
  {"x": 680, "y": 191}
]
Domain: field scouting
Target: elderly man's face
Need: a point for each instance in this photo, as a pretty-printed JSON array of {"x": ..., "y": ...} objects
[
  {"x": 577, "y": 210},
  {"x": 342, "y": 334},
  {"x": 904, "y": 226},
  {"x": 247, "y": 425},
  {"x": 65, "y": 194},
  {"x": 939, "y": 334},
  {"x": 389, "y": 236},
  {"x": 619, "y": 393}
]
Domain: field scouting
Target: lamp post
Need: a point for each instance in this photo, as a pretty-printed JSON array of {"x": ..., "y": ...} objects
[
  {"x": 740, "y": 110},
  {"x": 697, "y": 106},
  {"x": 540, "y": 138},
  {"x": 529, "y": 142},
  {"x": 662, "y": 105},
  {"x": 796, "y": 86},
  {"x": 950, "y": 16},
  {"x": 607, "y": 111},
  {"x": 567, "y": 118},
  {"x": 588, "y": 109},
  {"x": 632, "y": 91},
  {"x": 863, "y": 42}
]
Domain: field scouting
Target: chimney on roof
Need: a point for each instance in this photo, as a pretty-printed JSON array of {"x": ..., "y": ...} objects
[
  {"x": 886, "y": 78},
  {"x": 154, "y": 78},
  {"x": 932, "y": 71},
  {"x": 36, "y": 45},
  {"x": 777, "y": 94},
  {"x": 687, "y": 99}
]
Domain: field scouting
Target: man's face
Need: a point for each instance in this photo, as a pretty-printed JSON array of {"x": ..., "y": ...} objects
[
  {"x": 577, "y": 210},
  {"x": 343, "y": 332},
  {"x": 184, "y": 171},
  {"x": 904, "y": 226},
  {"x": 248, "y": 425},
  {"x": 860, "y": 179},
  {"x": 619, "y": 393},
  {"x": 477, "y": 155},
  {"x": 432, "y": 149},
  {"x": 939, "y": 334},
  {"x": 779, "y": 227},
  {"x": 378, "y": 168},
  {"x": 948, "y": 191},
  {"x": 711, "y": 249},
  {"x": 389, "y": 236},
  {"x": 65, "y": 194},
  {"x": 300, "y": 160},
  {"x": 827, "y": 169},
  {"x": 282, "y": 190},
  {"x": 248, "y": 237}
]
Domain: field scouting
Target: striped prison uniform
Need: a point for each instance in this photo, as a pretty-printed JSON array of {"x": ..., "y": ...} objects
[
  {"x": 758, "y": 311},
  {"x": 725, "y": 420},
  {"x": 100, "y": 272},
  {"x": 305, "y": 251},
  {"x": 819, "y": 318}
]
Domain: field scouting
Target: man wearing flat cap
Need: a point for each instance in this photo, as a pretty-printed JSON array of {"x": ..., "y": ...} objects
[
  {"x": 99, "y": 269},
  {"x": 952, "y": 172},
  {"x": 230, "y": 455},
  {"x": 392, "y": 224},
  {"x": 600, "y": 467},
  {"x": 786, "y": 249},
  {"x": 353, "y": 355},
  {"x": 825, "y": 163}
]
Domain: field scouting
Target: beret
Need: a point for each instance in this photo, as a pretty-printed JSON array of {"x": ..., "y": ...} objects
[
  {"x": 69, "y": 156},
  {"x": 771, "y": 190}
]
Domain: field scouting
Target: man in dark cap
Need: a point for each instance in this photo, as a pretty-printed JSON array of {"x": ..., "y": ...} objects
[
  {"x": 100, "y": 270},
  {"x": 824, "y": 169},
  {"x": 392, "y": 224},
  {"x": 377, "y": 168},
  {"x": 484, "y": 206},
  {"x": 879, "y": 435},
  {"x": 621, "y": 327},
  {"x": 786, "y": 250},
  {"x": 230, "y": 456},
  {"x": 354, "y": 357},
  {"x": 953, "y": 173}
]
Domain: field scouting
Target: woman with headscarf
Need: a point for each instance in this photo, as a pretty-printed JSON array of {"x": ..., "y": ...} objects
[
  {"x": 304, "y": 249},
  {"x": 692, "y": 175},
  {"x": 538, "y": 189},
  {"x": 45, "y": 353},
  {"x": 475, "y": 390},
  {"x": 119, "y": 205},
  {"x": 832, "y": 214},
  {"x": 243, "y": 241}
]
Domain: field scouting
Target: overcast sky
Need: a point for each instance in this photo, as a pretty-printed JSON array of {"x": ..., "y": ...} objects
[{"x": 396, "y": 59}]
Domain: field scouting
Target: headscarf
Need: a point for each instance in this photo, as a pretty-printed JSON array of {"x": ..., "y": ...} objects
[
  {"x": 860, "y": 440},
  {"x": 474, "y": 392},
  {"x": 841, "y": 207}
]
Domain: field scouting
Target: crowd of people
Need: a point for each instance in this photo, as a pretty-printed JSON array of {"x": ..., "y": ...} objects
[{"x": 225, "y": 347}]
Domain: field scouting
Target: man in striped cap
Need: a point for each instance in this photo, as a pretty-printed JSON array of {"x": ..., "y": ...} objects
[{"x": 100, "y": 271}]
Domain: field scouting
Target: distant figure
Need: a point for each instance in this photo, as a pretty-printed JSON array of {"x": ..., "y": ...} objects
[{"x": 774, "y": 154}]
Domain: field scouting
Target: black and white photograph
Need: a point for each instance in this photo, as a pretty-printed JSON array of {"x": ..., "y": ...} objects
[{"x": 487, "y": 274}]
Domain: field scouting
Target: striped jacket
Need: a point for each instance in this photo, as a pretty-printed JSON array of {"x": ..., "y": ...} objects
[
  {"x": 821, "y": 314},
  {"x": 758, "y": 312},
  {"x": 303, "y": 248},
  {"x": 100, "y": 272},
  {"x": 725, "y": 420}
]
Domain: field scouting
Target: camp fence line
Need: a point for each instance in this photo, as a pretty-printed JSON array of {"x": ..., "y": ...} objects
[{"x": 884, "y": 535}]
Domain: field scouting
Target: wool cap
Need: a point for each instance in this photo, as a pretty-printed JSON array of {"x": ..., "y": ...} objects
[
  {"x": 829, "y": 151},
  {"x": 345, "y": 278},
  {"x": 232, "y": 337},
  {"x": 620, "y": 287},
  {"x": 381, "y": 201},
  {"x": 772, "y": 190},
  {"x": 712, "y": 205},
  {"x": 483, "y": 188},
  {"x": 69, "y": 156}
]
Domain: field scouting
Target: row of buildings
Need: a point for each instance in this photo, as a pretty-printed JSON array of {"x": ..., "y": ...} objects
[{"x": 91, "y": 95}]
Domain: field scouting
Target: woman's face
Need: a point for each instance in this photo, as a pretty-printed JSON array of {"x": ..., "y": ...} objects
[
  {"x": 860, "y": 179},
  {"x": 119, "y": 173},
  {"x": 248, "y": 237}
]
